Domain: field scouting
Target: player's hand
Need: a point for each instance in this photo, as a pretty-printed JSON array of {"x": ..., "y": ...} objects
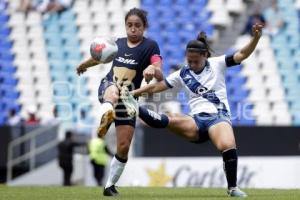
[
  {"x": 149, "y": 73},
  {"x": 257, "y": 29},
  {"x": 80, "y": 69}
]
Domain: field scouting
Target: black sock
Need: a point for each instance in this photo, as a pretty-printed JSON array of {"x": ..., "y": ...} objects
[
  {"x": 122, "y": 160},
  {"x": 153, "y": 119},
  {"x": 230, "y": 161}
]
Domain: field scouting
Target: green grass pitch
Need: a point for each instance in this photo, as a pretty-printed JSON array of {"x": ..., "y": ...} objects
[{"x": 136, "y": 193}]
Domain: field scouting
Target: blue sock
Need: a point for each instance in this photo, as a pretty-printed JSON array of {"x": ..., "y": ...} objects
[{"x": 153, "y": 119}]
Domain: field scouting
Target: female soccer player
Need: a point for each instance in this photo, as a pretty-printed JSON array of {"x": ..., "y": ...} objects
[
  {"x": 137, "y": 58},
  {"x": 204, "y": 80}
]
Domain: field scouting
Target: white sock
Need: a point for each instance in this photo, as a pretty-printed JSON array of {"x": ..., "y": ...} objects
[
  {"x": 116, "y": 169},
  {"x": 106, "y": 106}
]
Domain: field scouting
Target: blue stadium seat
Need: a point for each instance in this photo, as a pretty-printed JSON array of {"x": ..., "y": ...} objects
[
  {"x": 185, "y": 37},
  {"x": 166, "y": 2},
  {"x": 169, "y": 26},
  {"x": 7, "y": 56},
  {"x": 51, "y": 30},
  {"x": 10, "y": 103},
  {"x": 69, "y": 28},
  {"x": 238, "y": 81},
  {"x": 56, "y": 55},
  {"x": 296, "y": 119},
  {"x": 4, "y": 43},
  {"x": 8, "y": 80},
  {"x": 67, "y": 15},
  {"x": 3, "y": 6},
  {"x": 4, "y": 31},
  {"x": 51, "y": 19},
  {"x": 182, "y": 2},
  {"x": 3, "y": 18},
  {"x": 165, "y": 11},
  {"x": 171, "y": 39},
  {"x": 182, "y": 15},
  {"x": 58, "y": 76},
  {"x": 199, "y": 3},
  {"x": 71, "y": 43},
  {"x": 11, "y": 94},
  {"x": 208, "y": 28},
  {"x": 7, "y": 66},
  {"x": 149, "y": 3},
  {"x": 57, "y": 65}
]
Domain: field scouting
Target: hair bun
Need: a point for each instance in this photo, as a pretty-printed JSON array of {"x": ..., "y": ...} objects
[{"x": 202, "y": 36}]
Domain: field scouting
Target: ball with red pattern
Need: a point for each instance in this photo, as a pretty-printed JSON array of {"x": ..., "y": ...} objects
[{"x": 103, "y": 49}]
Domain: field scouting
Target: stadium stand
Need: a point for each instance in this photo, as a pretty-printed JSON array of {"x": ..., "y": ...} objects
[
  {"x": 46, "y": 49},
  {"x": 8, "y": 82},
  {"x": 289, "y": 68},
  {"x": 63, "y": 56}
]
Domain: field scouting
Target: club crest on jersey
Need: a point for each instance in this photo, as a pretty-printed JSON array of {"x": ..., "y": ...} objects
[
  {"x": 126, "y": 61},
  {"x": 201, "y": 90}
]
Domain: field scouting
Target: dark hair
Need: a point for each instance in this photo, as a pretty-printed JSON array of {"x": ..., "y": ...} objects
[
  {"x": 142, "y": 14},
  {"x": 12, "y": 112},
  {"x": 200, "y": 45},
  {"x": 69, "y": 134}
]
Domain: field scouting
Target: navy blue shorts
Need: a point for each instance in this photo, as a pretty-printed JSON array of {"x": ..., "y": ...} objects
[
  {"x": 206, "y": 120},
  {"x": 122, "y": 117}
]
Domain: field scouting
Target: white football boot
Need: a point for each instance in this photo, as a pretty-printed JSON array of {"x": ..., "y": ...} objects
[
  {"x": 131, "y": 104},
  {"x": 107, "y": 116}
]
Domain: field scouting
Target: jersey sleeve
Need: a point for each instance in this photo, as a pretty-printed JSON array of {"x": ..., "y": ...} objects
[
  {"x": 154, "y": 49},
  {"x": 230, "y": 61},
  {"x": 222, "y": 62},
  {"x": 174, "y": 80},
  {"x": 218, "y": 62}
]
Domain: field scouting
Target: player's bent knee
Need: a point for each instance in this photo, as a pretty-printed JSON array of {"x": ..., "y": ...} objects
[
  {"x": 173, "y": 119},
  {"x": 226, "y": 145},
  {"x": 112, "y": 95}
]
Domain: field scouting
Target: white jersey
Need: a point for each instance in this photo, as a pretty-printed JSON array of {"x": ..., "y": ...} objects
[{"x": 206, "y": 90}]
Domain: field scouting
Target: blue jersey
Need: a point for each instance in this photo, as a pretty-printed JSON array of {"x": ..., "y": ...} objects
[{"x": 129, "y": 63}]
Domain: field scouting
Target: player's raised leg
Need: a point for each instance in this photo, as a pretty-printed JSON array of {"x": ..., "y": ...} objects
[
  {"x": 180, "y": 124},
  {"x": 108, "y": 96}
]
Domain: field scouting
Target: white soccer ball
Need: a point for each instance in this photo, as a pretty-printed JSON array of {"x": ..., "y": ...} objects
[{"x": 103, "y": 49}]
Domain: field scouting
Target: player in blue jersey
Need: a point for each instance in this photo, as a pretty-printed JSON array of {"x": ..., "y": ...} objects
[
  {"x": 203, "y": 78},
  {"x": 137, "y": 58}
]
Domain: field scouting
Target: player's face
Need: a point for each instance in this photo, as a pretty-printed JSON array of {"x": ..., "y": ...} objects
[
  {"x": 195, "y": 60},
  {"x": 134, "y": 29}
]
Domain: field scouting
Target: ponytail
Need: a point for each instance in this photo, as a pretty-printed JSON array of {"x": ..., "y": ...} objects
[
  {"x": 200, "y": 45},
  {"x": 202, "y": 37}
]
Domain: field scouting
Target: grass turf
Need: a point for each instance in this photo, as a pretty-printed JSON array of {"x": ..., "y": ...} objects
[{"x": 136, "y": 193}]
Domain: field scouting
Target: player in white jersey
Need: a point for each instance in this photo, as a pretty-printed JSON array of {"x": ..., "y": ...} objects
[{"x": 204, "y": 80}]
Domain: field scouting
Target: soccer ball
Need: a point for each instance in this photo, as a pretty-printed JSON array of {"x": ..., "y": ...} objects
[{"x": 103, "y": 49}]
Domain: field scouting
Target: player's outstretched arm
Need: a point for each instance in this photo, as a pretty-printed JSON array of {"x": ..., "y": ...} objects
[
  {"x": 153, "y": 71},
  {"x": 86, "y": 64},
  {"x": 246, "y": 51},
  {"x": 150, "y": 89},
  {"x": 158, "y": 72}
]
